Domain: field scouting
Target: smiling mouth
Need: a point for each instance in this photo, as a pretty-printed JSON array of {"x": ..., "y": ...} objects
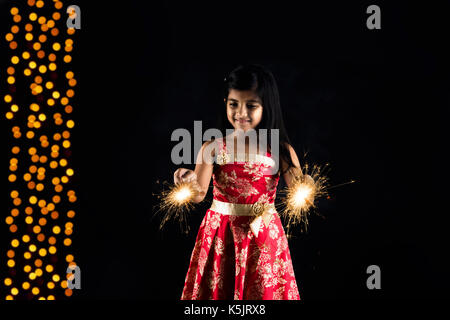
[{"x": 242, "y": 121}]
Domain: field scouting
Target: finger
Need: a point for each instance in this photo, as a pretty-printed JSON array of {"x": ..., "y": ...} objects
[
  {"x": 188, "y": 175},
  {"x": 179, "y": 176}
]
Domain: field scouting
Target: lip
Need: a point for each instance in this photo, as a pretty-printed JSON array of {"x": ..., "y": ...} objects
[{"x": 242, "y": 121}]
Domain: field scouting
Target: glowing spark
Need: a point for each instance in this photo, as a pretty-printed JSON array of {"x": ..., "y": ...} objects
[
  {"x": 182, "y": 195},
  {"x": 306, "y": 187},
  {"x": 176, "y": 202}
]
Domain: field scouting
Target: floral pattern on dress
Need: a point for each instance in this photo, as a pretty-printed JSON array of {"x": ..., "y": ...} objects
[{"x": 228, "y": 261}]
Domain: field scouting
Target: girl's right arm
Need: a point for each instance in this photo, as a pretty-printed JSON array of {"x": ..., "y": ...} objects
[{"x": 202, "y": 173}]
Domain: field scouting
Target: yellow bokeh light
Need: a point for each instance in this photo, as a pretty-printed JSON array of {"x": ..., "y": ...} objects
[
  {"x": 66, "y": 144},
  {"x": 42, "y": 252},
  {"x": 33, "y": 200},
  {"x": 50, "y": 23},
  {"x": 56, "y": 46},
  {"x": 56, "y": 229},
  {"x": 15, "y": 243},
  {"x": 11, "y": 80}
]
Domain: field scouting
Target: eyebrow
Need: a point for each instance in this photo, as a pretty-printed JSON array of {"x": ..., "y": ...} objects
[{"x": 251, "y": 100}]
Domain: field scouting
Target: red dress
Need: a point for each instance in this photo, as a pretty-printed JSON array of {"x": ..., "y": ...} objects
[{"x": 231, "y": 260}]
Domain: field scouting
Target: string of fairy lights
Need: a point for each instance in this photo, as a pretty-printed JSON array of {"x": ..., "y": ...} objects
[{"x": 40, "y": 217}]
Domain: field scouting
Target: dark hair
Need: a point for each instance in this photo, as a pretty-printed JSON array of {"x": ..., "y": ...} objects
[{"x": 260, "y": 80}]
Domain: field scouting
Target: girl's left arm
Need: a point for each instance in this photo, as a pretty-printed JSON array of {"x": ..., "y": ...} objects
[{"x": 293, "y": 171}]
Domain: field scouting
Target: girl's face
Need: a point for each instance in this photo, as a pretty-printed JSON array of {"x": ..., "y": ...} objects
[{"x": 244, "y": 109}]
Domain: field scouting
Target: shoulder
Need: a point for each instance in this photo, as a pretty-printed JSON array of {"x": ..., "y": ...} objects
[{"x": 210, "y": 147}]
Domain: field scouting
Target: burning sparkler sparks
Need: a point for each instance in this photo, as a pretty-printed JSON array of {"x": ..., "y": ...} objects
[
  {"x": 177, "y": 201},
  {"x": 306, "y": 187}
]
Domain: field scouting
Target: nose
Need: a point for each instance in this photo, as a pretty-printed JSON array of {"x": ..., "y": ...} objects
[{"x": 242, "y": 111}]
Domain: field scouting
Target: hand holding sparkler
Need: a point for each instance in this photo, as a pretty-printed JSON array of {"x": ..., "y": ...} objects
[
  {"x": 185, "y": 177},
  {"x": 303, "y": 189},
  {"x": 179, "y": 198}
]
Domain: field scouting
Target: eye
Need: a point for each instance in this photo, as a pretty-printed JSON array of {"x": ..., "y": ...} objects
[
  {"x": 233, "y": 104},
  {"x": 251, "y": 106}
]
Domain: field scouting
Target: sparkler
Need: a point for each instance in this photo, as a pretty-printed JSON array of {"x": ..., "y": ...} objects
[
  {"x": 306, "y": 187},
  {"x": 177, "y": 201}
]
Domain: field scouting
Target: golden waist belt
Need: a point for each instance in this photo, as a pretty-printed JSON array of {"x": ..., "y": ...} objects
[
  {"x": 262, "y": 212},
  {"x": 240, "y": 209}
]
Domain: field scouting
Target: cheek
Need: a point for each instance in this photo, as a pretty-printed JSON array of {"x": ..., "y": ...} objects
[
  {"x": 257, "y": 115},
  {"x": 230, "y": 113}
]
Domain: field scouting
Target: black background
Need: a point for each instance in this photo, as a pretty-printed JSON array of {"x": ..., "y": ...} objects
[{"x": 369, "y": 102}]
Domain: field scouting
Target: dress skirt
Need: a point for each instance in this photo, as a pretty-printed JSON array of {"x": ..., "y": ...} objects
[{"x": 229, "y": 262}]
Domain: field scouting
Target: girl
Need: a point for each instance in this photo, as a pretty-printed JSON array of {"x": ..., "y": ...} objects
[{"x": 241, "y": 251}]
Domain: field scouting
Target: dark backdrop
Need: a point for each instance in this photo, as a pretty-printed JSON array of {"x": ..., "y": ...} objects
[{"x": 369, "y": 102}]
